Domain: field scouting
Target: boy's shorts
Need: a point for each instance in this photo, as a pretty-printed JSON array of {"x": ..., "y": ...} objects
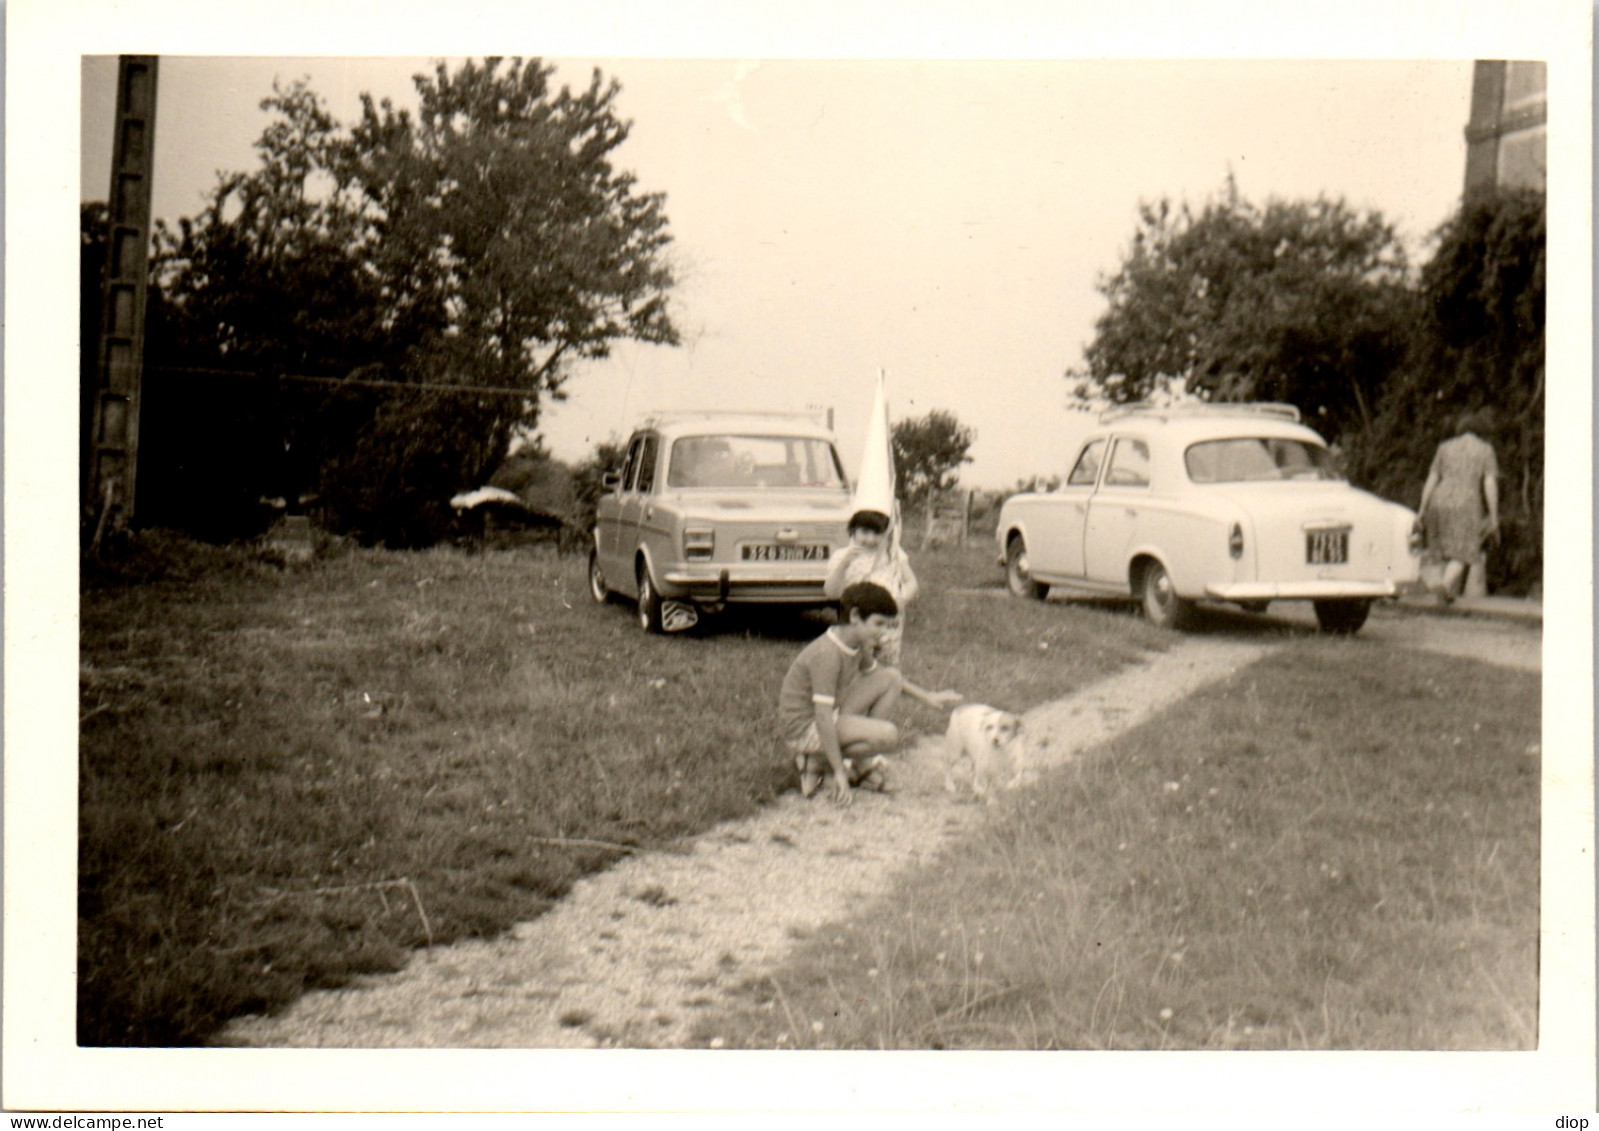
[
  {"x": 811, "y": 741},
  {"x": 808, "y": 743}
]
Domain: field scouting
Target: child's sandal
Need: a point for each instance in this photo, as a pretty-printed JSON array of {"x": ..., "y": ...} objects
[
  {"x": 810, "y": 780},
  {"x": 872, "y": 776}
]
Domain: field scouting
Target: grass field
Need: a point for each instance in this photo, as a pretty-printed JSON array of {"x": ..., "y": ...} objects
[
  {"x": 1274, "y": 865},
  {"x": 292, "y": 776}
]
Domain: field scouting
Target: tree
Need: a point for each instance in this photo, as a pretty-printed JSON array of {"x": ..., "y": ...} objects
[
  {"x": 505, "y": 225},
  {"x": 265, "y": 287},
  {"x": 432, "y": 275},
  {"x": 928, "y": 454},
  {"x": 1299, "y": 301}
]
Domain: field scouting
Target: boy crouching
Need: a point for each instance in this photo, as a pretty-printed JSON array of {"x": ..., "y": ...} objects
[{"x": 835, "y": 703}]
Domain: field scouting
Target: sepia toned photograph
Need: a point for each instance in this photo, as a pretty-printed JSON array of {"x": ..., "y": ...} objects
[{"x": 807, "y": 552}]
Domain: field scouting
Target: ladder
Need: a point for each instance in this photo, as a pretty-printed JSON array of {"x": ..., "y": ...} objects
[{"x": 114, "y": 435}]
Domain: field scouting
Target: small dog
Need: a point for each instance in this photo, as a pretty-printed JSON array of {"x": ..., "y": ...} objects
[{"x": 985, "y": 739}]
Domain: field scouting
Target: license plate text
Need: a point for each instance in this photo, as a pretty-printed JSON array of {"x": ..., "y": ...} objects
[
  {"x": 1327, "y": 547},
  {"x": 769, "y": 553}
]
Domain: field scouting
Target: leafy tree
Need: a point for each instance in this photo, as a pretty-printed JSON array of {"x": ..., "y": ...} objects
[
  {"x": 928, "y": 453},
  {"x": 436, "y": 271},
  {"x": 264, "y": 287},
  {"x": 1299, "y": 301},
  {"x": 504, "y": 220},
  {"x": 1479, "y": 342}
]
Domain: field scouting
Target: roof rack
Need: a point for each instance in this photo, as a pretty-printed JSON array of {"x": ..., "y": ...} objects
[
  {"x": 1204, "y": 408},
  {"x": 821, "y": 416}
]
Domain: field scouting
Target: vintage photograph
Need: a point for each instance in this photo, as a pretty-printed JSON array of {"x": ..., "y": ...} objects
[{"x": 634, "y": 552}]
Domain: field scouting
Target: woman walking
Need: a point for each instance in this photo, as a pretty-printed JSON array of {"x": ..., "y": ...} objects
[{"x": 1460, "y": 501}]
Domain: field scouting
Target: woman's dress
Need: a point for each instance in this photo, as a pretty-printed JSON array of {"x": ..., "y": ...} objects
[{"x": 1457, "y": 513}]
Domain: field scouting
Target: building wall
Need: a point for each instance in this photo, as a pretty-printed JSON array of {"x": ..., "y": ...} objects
[{"x": 1507, "y": 137}]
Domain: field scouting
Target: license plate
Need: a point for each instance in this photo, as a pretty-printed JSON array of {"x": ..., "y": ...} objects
[
  {"x": 1327, "y": 547},
  {"x": 769, "y": 553}
]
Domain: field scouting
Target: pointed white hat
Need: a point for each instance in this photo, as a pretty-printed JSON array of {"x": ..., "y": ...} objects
[{"x": 874, "y": 486}]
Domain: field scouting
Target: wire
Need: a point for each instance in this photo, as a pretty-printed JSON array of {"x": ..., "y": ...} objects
[{"x": 361, "y": 382}]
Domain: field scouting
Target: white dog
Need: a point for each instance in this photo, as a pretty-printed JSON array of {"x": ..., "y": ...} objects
[{"x": 988, "y": 741}]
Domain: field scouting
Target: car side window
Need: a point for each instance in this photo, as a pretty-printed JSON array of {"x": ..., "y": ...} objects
[
  {"x": 646, "y": 463},
  {"x": 1129, "y": 464},
  {"x": 630, "y": 463},
  {"x": 1086, "y": 471}
]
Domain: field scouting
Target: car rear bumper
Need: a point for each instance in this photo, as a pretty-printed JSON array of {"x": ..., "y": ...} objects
[
  {"x": 1302, "y": 590},
  {"x": 724, "y": 586}
]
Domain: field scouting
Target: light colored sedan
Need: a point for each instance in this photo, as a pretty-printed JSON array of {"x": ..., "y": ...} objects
[
  {"x": 1232, "y": 503},
  {"x": 712, "y": 509}
]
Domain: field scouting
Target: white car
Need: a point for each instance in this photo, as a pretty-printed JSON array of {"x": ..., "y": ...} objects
[
  {"x": 712, "y": 509},
  {"x": 1231, "y": 503}
]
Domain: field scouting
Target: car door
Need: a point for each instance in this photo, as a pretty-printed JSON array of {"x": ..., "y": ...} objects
[
  {"x": 1055, "y": 538},
  {"x": 1116, "y": 511},
  {"x": 637, "y": 497},
  {"x": 608, "y": 517}
]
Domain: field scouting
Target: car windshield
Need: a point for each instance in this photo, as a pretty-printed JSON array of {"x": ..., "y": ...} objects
[
  {"x": 754, "y": 462},
  {"x": 1255, "y": 458}
]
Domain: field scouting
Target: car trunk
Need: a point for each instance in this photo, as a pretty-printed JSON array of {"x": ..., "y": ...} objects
[
  {"x": 1302, "y": 533},
  {"x": 798, "y": 526}
]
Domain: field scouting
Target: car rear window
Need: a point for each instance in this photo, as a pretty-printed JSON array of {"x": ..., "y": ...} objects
[
  {"x": 753, "y": 462},
  {"x": 1256, "y": 458}
]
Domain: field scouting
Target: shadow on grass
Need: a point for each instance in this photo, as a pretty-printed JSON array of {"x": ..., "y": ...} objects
[
  {"x": 768, "y": 622},
  {"x": 776, "y": 623},
  {"x": 1216, "y": 620}
]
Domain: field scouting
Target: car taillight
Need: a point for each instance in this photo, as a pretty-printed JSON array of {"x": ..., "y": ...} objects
[
  {"x": 1235, "y": 541},
  {"x": 698, "y": 544}
]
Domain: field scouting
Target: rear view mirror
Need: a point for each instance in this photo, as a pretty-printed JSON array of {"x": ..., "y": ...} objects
[{"x": 611, "y": 480}]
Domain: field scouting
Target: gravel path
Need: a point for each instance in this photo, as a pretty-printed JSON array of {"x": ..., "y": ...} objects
[
  {"x": 1508, "y": 644},
  {"x": 632, "y": 955}
]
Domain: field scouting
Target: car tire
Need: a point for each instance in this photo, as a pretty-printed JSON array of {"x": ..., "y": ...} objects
[
  {"x": 1163, "y": 608},
  {"x": 649, "y": 602},
  {"x": 1342, "y": 618},
  {"x": 1017, "y": 576},
  {"x": 598, "y": 589}
]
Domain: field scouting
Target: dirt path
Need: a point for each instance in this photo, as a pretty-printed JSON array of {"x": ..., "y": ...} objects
[
  {"x": 633, "y": 955},
  {"x": 1509, "y": 644}
]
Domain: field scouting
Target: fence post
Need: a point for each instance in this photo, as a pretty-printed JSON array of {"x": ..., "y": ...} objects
[{"x": 947, "y": 510}]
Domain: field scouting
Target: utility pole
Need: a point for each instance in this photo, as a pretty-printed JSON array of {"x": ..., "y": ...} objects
[{"x": 114, "y": 438}]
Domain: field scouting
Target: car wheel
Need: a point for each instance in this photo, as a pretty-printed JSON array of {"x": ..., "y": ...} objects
[
  {"x": 597, "y": 587},
  {"x": 1342, "y": 618},
  {"x": 1162, "y": 606},
  {"x": 649, "y": 602},
  {"x": 1017, "y": 575}
]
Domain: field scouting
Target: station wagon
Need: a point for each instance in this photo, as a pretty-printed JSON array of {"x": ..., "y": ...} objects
[{"x": 713, "y": 509}]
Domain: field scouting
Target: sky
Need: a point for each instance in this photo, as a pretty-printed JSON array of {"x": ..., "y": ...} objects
[{"x": 945, "y": 222}]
